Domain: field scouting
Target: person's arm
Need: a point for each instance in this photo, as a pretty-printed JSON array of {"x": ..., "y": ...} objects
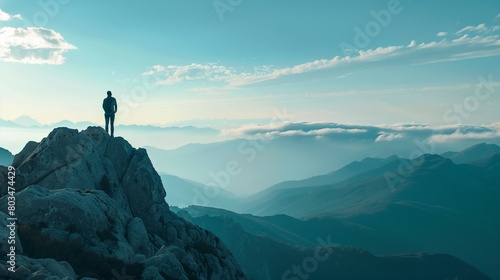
[
  {"x": 103, "y": 102},
  {"x": 116, "y": 105}
]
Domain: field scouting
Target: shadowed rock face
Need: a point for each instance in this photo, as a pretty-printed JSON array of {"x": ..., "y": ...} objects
[
  {"x": 97, "y": 206},
  {"x": 5, "y": 157}
]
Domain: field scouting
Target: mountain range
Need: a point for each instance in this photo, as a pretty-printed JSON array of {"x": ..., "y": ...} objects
[
  {"x": 257, "y": 163},
  {"x": 19, "y": 131},
  {"x": 282, "y": 247},
  {"x": 372, "y": 183},
  {"x": 370, "y": 218},
  {"x": 246, "y": 166},
  {"x": 183, "y": 193},
  {"x": 434, "y": 203}
]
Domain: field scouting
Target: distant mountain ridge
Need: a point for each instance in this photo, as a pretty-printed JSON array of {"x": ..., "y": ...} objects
[
  {"x": 346, "y": 172},
  {"x": 257, "y": 245},
  {"x": 183, "y": 193},
  {"x": 474, "y": 153},
  {"x": 166, "y": 137},
  {"x": 374, "y": 172},
  {"x": 429, "y": 196},
  {"x": 28, "y": 122}
]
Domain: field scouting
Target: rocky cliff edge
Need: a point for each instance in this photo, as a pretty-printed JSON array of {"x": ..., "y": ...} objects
[{"x": 88, "y": 205}]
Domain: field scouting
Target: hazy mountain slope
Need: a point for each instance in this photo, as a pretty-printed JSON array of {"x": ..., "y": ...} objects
[
  {"x": 254, "y": 225},
  {"x": 182, "y": 193},
  {"x": 433, "y": 229},
  {"x": 304, "y": 233},
  {"x": 492, "y": 164},
  {"x": 435, "y": 181},
  {"x": 355, "y": 172},
  {"x": 264, "y": 258},
  {"x": 354, "y": 169},
  {"x": 474, "y": 153},
  {"x": 258, "y": 164},
  {"x": 435, "y": 205},
  {"x": 339, "y": 199},
  {"x": 4, "y": 123},
  {"x": 26, "y": 121}
]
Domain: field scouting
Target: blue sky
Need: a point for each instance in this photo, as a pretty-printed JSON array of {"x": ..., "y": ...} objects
[{"x": 187, "y": 61}]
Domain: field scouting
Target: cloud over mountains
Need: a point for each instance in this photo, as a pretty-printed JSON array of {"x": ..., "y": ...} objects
[{"x": 399, "y": 132}]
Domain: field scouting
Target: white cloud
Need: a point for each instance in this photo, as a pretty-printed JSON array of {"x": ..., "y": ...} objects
[
  {"x": 389, "y": 137},
  {"x": 459, "y": 135},
  {"x": 290, "y": 129},
  {"x": 33, "y": 45},
  {"x": 481, "y": 28},
  {"x": 378, "y": 133},
  {"x": 6, "y": 17},
  {"x": 484, "y": 44},
  {"x": 441, "y": 34},
  {"x": 172, "y": 74},
  {"x": 315, "y": 132},
  {"x": 462, "y": 48}
]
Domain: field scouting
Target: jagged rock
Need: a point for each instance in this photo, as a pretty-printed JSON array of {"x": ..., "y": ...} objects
[
  {"x": 137, "y": 237},
  {"x": 90, "y": 219},
  {"x": 25, "y": 152},
  {"x": 99, "y": 204},
  {"x": 143, "y": 183},
  {"x": 166, "y": 265}
]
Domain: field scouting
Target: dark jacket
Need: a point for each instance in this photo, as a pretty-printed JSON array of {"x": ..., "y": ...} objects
[{"x": 109, "y": 105}]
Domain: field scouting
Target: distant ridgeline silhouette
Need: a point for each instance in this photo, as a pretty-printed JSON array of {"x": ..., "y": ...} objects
[{"x": 98, "y": 204}]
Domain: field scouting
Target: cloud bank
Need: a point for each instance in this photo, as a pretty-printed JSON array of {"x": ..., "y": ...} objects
[{"x": 381, "y": 133}]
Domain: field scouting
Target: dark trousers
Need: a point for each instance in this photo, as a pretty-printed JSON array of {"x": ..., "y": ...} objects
[{"x": 110, "y": 118}]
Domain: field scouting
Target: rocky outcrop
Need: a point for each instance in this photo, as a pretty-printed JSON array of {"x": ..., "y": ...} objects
[{"x": 88, "y": 205}]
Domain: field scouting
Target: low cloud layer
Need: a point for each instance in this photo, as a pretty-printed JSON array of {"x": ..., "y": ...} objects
[{"x": 390, "y": 133}]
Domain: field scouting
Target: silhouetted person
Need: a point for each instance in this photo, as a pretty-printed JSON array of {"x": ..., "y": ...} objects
[{"x": 110, "y": 107}]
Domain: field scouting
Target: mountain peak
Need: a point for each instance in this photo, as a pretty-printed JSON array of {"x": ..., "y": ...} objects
[
  {"x": 474, "y": 153},
  {"x": 103, "y": 199},
  {"x": 26, "y": 121}
]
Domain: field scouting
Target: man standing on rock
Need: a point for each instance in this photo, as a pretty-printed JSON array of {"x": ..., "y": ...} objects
[{"x": 110, "y": 107}]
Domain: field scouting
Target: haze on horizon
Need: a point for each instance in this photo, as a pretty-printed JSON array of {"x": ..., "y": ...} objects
[{"x": 168, "y": 62}]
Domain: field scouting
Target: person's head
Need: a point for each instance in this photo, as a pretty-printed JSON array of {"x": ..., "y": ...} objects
[{"x": 109, "y": 93}]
